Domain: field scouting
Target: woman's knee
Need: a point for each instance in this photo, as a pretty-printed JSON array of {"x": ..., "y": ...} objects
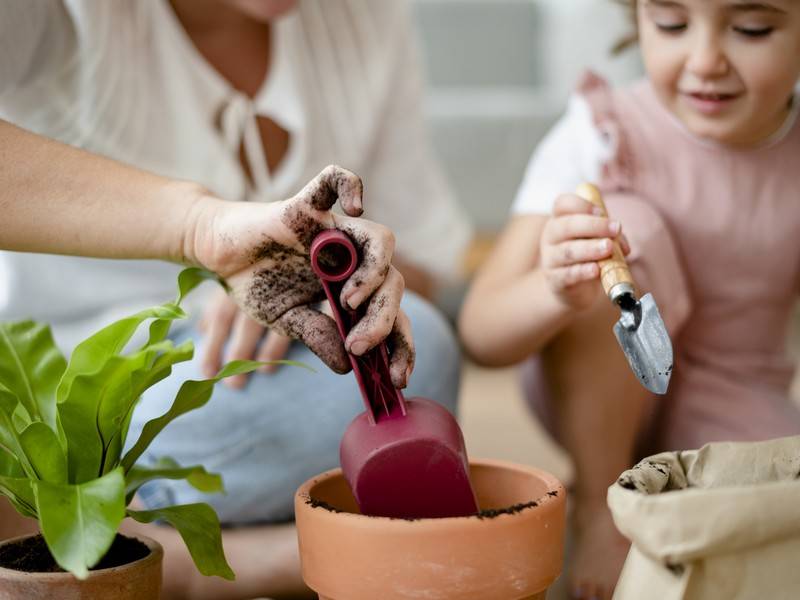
[{"x": 437, "y": 369}]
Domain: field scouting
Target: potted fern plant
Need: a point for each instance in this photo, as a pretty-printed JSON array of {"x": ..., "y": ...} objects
[{"x": 63, "y": 429}]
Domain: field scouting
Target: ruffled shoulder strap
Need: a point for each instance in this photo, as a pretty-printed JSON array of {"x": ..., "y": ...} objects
[{"x": 619, "y": 171}]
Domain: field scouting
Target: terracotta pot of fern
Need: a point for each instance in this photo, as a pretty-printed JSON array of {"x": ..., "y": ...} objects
[
  {"x": 512, "y": 550},
  {"x": 120, "y": 575},
  {"x": 63, "y": 429}
]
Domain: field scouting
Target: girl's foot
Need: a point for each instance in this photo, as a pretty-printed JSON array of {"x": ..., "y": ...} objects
[{"x": 600, "y": 552}]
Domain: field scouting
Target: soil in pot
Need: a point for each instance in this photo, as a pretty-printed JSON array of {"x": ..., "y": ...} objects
[{"x": 32, "y": 556}]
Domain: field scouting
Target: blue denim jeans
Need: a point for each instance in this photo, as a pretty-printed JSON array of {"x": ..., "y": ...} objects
[{"x": 282, "y": 428}]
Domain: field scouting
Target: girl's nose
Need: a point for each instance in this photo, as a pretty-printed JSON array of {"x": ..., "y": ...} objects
[{"x": 707, "y": 58}]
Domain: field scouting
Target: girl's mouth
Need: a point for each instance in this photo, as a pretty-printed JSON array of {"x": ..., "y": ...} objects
[{"x": 709, "y": 103}]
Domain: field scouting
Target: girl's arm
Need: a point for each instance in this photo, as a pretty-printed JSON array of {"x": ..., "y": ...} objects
[
  {"x": 510, "y": 309},
  {"x": 543, "y": 270},
  {"x": 541, "y": 274}
]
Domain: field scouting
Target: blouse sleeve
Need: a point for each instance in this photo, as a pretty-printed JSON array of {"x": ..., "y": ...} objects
[
  {"x": 31, "y": 33},
  {"x": 573, "y": 152},
  {"x": 405, "y": 183}
]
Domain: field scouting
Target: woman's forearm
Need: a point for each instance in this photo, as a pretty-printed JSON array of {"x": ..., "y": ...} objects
[{"x": 62, "y": 200}]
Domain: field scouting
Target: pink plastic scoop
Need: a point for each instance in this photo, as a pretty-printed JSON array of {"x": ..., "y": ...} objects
[{"x": 402, "y": 458}]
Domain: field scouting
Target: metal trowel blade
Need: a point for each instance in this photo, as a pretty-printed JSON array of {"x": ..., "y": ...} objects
[{"x": 644, "y": 340}]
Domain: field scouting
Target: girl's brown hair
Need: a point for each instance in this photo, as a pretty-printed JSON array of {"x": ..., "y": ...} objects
[{"x": 629, "y": 40}]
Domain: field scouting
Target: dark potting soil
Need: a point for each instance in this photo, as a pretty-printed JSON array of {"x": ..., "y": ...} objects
[
  {"x": 314, "y": 503},
  {"x": 489, "y": 513},
  {"x": 32, "y": 556}
]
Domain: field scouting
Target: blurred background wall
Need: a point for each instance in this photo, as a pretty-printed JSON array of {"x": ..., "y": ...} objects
[{"x": 499, "y": 74}]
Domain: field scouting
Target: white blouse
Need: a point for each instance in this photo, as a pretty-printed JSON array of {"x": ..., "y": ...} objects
[{"x": 123, "y": 79}]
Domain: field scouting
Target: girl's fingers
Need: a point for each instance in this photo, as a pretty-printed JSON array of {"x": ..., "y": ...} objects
[
  {"x": 380, "y": 315},
  {"x": 570, "y": 204},
  {"x": 570, "y": 227},
  {"x": 564, "y": 277},
  {"x": 623, "y": 244},
  {"x": 578, "y": 251},
  {"x": 274, "y": 347},
  {"x": 245, "y": 336},
  {"x": 401, "y": 363}
]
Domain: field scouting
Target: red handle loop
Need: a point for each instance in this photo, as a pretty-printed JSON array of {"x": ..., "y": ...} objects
[{"x": 334, "y": 258}]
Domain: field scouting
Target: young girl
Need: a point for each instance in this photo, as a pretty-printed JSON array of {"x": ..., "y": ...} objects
[{"x": 700, "y": 162}]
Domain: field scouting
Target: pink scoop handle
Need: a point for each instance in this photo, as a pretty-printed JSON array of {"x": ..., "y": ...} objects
[{"x": 334, "y": 258}]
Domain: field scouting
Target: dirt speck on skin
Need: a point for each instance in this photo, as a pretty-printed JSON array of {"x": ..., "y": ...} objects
[
  {"x": 319, "y": 333},
  {"x": 334, "y": 183},
  {"x": 303, "y": 225},
  {"x": 271, "y": 250},
  {"x": 276, "y": 289}
]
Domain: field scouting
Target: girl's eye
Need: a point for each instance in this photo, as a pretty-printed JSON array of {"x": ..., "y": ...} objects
[
  {"x": 671, "y": 27},
  {"x": 754, "y": 31}
]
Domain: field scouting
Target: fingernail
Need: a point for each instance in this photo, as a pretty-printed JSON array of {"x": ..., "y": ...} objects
[
  {"x": 358, "y": 347},
  {"x": 348, "y": 301},
  {"x": 614, "y": 227}
]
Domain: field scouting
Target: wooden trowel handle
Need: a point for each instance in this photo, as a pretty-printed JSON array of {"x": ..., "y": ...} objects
[{"x": 614, "y": 270}]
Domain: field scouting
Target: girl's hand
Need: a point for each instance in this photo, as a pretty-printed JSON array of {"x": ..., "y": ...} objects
[
  {"x": 572, "y": 242},
  {"x": 261, "y": 250}
]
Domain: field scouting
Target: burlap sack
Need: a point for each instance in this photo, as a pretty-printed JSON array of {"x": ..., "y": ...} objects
[{"x": 719, "y": 523}]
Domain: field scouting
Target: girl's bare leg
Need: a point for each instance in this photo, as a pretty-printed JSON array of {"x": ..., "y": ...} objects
[{"x": 600, "y": 408}]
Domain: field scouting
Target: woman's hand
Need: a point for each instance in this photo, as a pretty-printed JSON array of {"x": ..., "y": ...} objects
[
  {"x": 572, "y": 242},
  {"x": 230, "y": 331},
  {"x": 261, "y": 251}
]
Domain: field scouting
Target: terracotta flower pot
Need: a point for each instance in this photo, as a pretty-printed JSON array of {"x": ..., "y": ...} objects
[
  {"x": 513, "y": 551},
  {"x": 138, "y": 580}
]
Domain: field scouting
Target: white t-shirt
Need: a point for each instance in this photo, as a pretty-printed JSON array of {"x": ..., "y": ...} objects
[
  {"x": 574, "y": 152},
  {"x": 571, "y": 153},
  {"x": 123, "y": 79}
]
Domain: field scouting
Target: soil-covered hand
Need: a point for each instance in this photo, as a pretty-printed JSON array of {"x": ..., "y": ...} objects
[
  {"x": 262, "y": 252},
  {"x": 572, "y": 242}
]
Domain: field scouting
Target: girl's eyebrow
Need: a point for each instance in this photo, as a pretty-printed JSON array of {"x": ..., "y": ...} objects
[
  {"x": 666, "y": 3},
  {"x": 737, "y": 5},
  {"x": 750, "y": 6}
]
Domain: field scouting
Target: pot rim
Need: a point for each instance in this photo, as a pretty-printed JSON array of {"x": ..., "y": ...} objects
[
  {"x": 156, "y": 555},
  {"x": 552, "y": 483}
]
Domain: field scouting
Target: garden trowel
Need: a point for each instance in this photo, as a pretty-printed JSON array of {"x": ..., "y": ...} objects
[
  {"x": 640, "y": 330},
  {"x": 402, "y": 458}
]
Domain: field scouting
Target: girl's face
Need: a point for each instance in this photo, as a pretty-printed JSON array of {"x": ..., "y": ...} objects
[{"x": 725, "y": 68}]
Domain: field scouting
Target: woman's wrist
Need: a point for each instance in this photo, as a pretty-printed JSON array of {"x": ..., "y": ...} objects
[{"x": 188, "y": 222}]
